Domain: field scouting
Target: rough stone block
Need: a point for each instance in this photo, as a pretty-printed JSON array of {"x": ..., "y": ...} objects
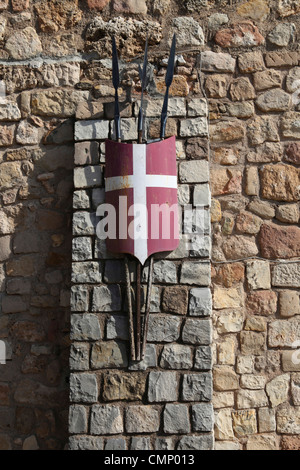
[
  {"x": 91, "y": 130},
  {"x": 82, "y": 249},
  {"x": 203, "y": 443},
  {"x": 87, "y": 273},
  {"x": 202, "y": 417},
  {"x": 85, "y": 328},
  {"x": 85, "y": 443},
  {"x": 107, "y": 299},
  {"x": 197, "y": 387},
  {"x": 88, "y": 177},
  {"x": 164, "y": 328},
  {"x": 200, "y": 303},
  {"x": 79, "y": 299},
  {"x": 198, "y": 273},
  {"x": 197, "y": 332},
  {"x": 106, "y": 419},
  {"x": 77, "y": 419},
  {"x": 107, "y": 355},
  {"x": 79, "y": 357},
  {"x": 203, "y": 358},
  {"x": 141, "y": 419},
  {"x": 194, "y": 172},
  {"x": 176, "y": 356},
  {"x": 163, "y": 387},
  {"x": 83, "y": 388},
  {"x": 176, "y": 419}
]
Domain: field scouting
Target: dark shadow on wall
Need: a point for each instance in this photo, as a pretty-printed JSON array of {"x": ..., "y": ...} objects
[{"x": 36, "y": 228}]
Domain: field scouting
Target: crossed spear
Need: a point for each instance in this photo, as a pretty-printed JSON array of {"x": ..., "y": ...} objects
[{"x": 138, "y": 342}]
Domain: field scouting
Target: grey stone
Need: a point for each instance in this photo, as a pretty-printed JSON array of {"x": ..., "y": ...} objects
[
  {"x": 9, "y": 111},
  {"x": 204, "y": 443},
  {"x": 183, "y": 194},
  {"x": 108, "y": 355},
  {"x": 91, "y": 130},
  {"x": 85, "y": 328},
  {"x": 198, "y": 273},
  {"x": 202, "y": 417},
  {"x": 292, "y": 80},
  {"x": 197, "y": 332},
  {"x": 88, "y": 177},
  {"x": 27, "y": 134},
  {"x": 242, "y": 110},
  {"x": 176, "y": 419},
  {"x": 26, "y": 242},
  {"x": 128, "y": 129},
  {"x": 79, "y": 357},
  {"x": 141, "y": 419},
  {"x": 79, "y": 299},
  {"x": 196, "y": 171},
  {"x": 165, "y": 272},
  {"x": 288, "y": 420},
  {"x": 188, "y": 32},
  {"x": 177, "y": 107},
  {"x": 282, "y": 34},
  {"x": 200, "y": 247},
  {"x": 217, "y": 62},
  {"x": 202, "y": 195},
  {"x": 197, "y": 387},
  {"x": 84, "y": 223},
  {"x": 164, "y": 328},
  {"x": 283, "y": 333},
  {"x": 140, "y": 443},
  {"x": 194, "y": 128},
  {"x": 82, "y": 249},
  {"x": 85, "y": 443},
  {"x": 24, "y": 44},
  {"x": 86, "y": 153},
  {"x": 203, "y": 358},
  {"x": 162, "y": 387},
  {"x": 149, "y": 361},
  {"x": 196, "y": 223},
  {"x": 274, "y": 101},
  {"x": 216, "y": 20},
  {"x": 286, "y": 275},
  {"x": 13, "y": 304},
  {"x": 77, "y": 419},
  {"x": 107, "y": 299},
  {"x": 115, "y": 444},
  {"x": 106, "y": 419},
  {"x": 197, "y": 107},
  {"x": 86, "y": 273},
  {"x": 176, "y": 356},
  {"x": 200, "y": 302},
  {"x": 83, "y": 388},
  {"x": 81, "y": 200},
  {"x": 117, "y": 327},
  {"x": 164, "y": 443}
]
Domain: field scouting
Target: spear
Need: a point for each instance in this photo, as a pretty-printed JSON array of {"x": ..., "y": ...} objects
[
  {"x": 116, "y": 83},
  {"x": 144, "y": 81},
  {"x": 169, "y": 80}
]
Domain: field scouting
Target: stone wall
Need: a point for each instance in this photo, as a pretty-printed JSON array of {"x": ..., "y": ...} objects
[{"x": 53, "y": 56}]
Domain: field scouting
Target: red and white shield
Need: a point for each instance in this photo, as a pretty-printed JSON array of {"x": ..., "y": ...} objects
[{"x": 141, "y": 184}]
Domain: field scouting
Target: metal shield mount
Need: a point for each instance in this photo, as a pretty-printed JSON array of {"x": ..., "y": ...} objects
[{"x": 141, "y": 185}]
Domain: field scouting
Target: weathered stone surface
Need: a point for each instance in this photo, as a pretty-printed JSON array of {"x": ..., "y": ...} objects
[
  {"x": 289, "y": 303},
  {"x": 83, "y": 388},
  {"x": 118, "y": 386},
  {"x": 82, "y": 249},
  {"x": 253, "y": 382},
  {"x": 85, "y": 443},
  {"x": 77, "y": 419},
  {"x": 243, "y": 110},
  {"x": 89, "y": 130},
  {"x": 163, "y": 387},
  {"x": 200, "y": 302},
  {"x": 203, "y": 358},
  {"x": 244, "y": 422},
  {"x": 87, "y": 177},
  {"x": 140, "y": 443},
  {"x": 107, "y": 299},
  {"x": 278, "y": 390},
  {"x": 108, "y": 355},
  {"x": 273, "y": 101},
  {"x": 267, "y": 79},
  {"x": 262, "y": 303},
  {"x": 283, "y": 333},
  {"x": 282, "y": 34},
  {"x": 248, "y": 223},
  {"x": 194, "y": 127},
  {"x": 225, "y": 379},
  {"x": 79, "y": 299},
  {"x": 141, "y": 419},
  {"x": 164, "y": 328},
  {"x": 24, "y": 44},
  {"x": 106, "y": 419},
  {"x": 262, "y": 129},
  {"x": 84, "y": 223},
  {"x": 288, "y": 420},
  {"x": 291, "y": 361},
  {"x": 290, "y": 443},
  {"x": 197, "y": 332},
  {"x": 216, "y": 86},
  {"x": 10, "y": 175},
  {"x": 253, "y": 343},
  {"x": 241, "y": 89},
  {"x": 88, "y": 272},
  {"x": 287, "y": 7},
  {"x": 196, "y": 273},
  {"x": 277, "y": 242},
  {"x": 130, "y": 6},
  {"x": 251, "y": 399},
  {"x": 176, "y": 356},
  {"x": 290, "y": 125},
  {"x": 188, "y": 32},
  {"x": 251, "y": 62},
  {"x": 227, "y": 132},
  {"x": 197, "y": 387},
  {"x": 230, "y": 322},
  {"x": 217, "y": 62},
  {"x": 295, "y": 389},
  {"x": 85, "y": 328},
  {"x": 288, "y": 214},
  {"x": 280, "y": 182},
  {"x": 79, "y": 357},
  {"x": 223, "y": 425},
  {"x": 259, "y": 275},
  {"x": 194, "y": 172},
  {"x": 225, "y": 181},
  {"x": 239, "y": 246},
  {"x": 266, "y": 420},
  {"x": 223, "y": 400},
  {"x": 262, "y": 209},
  {"x": 176, "y": 419},
  {"x": 283, "y": 58},
  {"x": 228, "y": 298},
  {"x": 286, "y": 275},
  {"x": 241, "y": 34}
]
